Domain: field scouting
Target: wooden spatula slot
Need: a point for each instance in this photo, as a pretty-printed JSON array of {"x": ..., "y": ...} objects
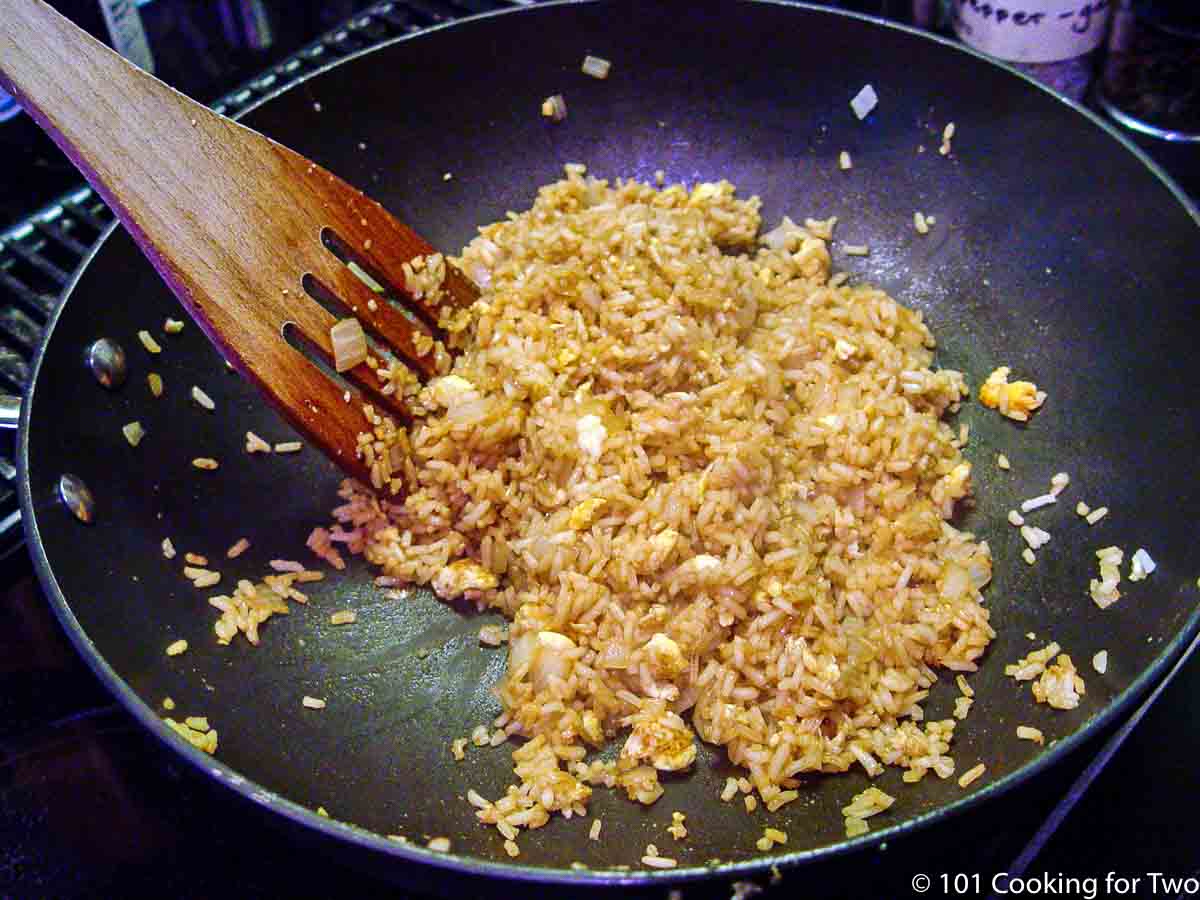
[
  {"x": 361, "y": 381},
  {"x": 255, "y": 240}
]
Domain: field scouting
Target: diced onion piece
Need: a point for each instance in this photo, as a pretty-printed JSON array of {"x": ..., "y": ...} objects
[
  {"x": 349, "y": 344},
  {"x": 134, "y": 432},
  {"x": 1142, "y": 565},
  {"x": 864, "y": 101},
  {"x": 255, "y": 444},
  {"x": 554, "y": 108},
  {"x": 363, "y": 276},
  {"x": 1148, "y": 565},
  {"x": 596, "y": 66}
]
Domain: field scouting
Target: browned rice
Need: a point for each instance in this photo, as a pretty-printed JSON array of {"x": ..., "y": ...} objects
[{"x": 710, "y": 489}]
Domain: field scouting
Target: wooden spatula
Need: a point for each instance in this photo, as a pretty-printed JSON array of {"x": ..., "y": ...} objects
[{"x": 236, "y": 224}]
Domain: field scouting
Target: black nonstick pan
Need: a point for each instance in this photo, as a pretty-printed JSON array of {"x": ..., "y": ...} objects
[{"x": 1059, "y": 250}]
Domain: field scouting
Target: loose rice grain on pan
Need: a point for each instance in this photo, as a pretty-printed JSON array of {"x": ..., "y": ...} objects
[
  {"x": 1029, "y": 733},
  {"x": 971, "y": 775},
  {"x": 202, "y": 399},
  {"x": 255, "y": 444},
  {"x": 196, "y": 731},
  {"x": 655, "y": 861},
  {"x": 151, "y": 345},
  {"x": 706, "y": 598}
]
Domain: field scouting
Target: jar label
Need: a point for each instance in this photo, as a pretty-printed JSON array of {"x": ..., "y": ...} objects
[{"x": 1031, "y": 30}]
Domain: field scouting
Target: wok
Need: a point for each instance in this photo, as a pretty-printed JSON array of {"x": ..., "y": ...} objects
[{"x": 1059, "y": 250}]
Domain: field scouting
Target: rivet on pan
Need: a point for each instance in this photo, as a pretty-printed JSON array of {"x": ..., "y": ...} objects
[
  {"x": 77, "y": 497},
  {"x": 106, "y": 359}
]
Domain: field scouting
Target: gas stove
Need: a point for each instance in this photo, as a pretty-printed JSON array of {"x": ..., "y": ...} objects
[{"x": 90, "y": 805}]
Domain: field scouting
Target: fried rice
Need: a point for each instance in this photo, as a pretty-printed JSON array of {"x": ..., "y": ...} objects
[{"x": 707, "y": 481}]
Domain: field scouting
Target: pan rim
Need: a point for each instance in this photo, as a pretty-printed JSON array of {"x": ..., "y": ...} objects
[{"x": 476, "y": 866}]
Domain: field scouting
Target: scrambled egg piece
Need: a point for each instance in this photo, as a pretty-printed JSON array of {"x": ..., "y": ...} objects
[
  {"x": 1015, "y": 399},
  {"x": 590, "y": 432},
  {"x": 1060, "y": 685},
  {"x": 701, "y": 569},
  {"x": 844, "y": 350},
  {"x": 452, "y": 390},
  {"x": 583, "y": 514},
  {"x": 664, "y": 542},
  {"x": 550, "y": 658},
  {"x": 665, "y": 655},
  {"x": 459, "y": 577},
  {"x": 704, "y": 191},
  {"x": 593, "y": 731},
  {"x": 1105, "y": 590},
  {"x": 664, "y": 740}
]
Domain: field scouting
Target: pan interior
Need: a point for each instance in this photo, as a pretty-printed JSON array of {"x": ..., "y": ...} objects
[{"x": 1057, "y": 252}]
